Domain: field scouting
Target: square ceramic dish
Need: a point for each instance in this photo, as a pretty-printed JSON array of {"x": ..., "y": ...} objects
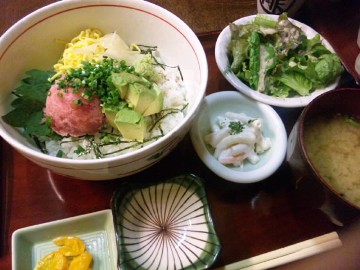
[
  {"x": 165, "y": 225},
  {"x": 31, "y": 244}
]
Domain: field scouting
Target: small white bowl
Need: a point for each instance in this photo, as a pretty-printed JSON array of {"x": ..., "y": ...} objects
[
  {"x": 222, "y": 61},
  {"x": 31, "y": 44},
  {"x": 218, "y": 104}
]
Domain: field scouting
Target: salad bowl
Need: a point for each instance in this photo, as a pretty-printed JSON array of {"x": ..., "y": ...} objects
[
  {"x": 25, "y": 46},
  {"x": 223, "y": 63}
]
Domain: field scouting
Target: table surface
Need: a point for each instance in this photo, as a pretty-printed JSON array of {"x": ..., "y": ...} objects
[{"x": 250, "y": 219}]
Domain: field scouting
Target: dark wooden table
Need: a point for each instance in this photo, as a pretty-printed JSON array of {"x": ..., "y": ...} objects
[{"x": 250, "y": 219}]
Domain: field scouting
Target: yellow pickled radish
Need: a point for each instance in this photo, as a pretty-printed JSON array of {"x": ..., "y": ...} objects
[
  {"x": 81, "y": 262},
  {"x": 70, "y": 245},
  {"x": 53, "y": 261}
]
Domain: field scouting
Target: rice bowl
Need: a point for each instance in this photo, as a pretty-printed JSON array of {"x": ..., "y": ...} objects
[{"x": 172, "y": 35}]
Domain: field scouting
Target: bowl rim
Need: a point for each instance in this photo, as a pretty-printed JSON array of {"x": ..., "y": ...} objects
[
  {"x": 293, "y": 102},
  {"x": 37, "y": 16},
  {"x": 228, "y": 173}
]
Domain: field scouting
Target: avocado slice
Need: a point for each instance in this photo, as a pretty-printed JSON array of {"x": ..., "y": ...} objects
[
  {"x": 123, "y": 79},
  {"x": 131, "y": 124},
  {"x": 110, "y": 117},
  {"x": 111, "y": 111},
  {"x": 157, "y": 105},
  {"x": 140, "y": 97}
]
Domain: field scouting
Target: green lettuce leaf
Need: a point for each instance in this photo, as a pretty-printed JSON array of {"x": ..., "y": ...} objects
[
  {"x": 254, "y": 59},
  {"x": 328, "y": 68},
  {"x": 239, "y": 51},
  {"x": 297, "y": 82}
]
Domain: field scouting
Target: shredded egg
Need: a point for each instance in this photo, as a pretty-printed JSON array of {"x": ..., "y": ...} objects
[
  {"x": 91, "y": 46},
  {"x": 86, "y": 46}
]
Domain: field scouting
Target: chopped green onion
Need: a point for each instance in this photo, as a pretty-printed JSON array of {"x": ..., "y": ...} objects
[
  {"x": 236, "y": 127},
  {"x": 352, "y": 121},
  {"x": 79, "y": 150}
]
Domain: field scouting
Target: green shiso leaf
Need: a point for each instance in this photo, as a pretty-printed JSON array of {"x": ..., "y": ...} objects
[{"x": 28, "y": 107}]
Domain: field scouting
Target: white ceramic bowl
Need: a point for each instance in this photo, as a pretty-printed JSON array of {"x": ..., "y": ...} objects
[
  {"x": 30, "y": 43},
  {"x": 218, "y": 104},
  {"x": 222, "y": 62}
]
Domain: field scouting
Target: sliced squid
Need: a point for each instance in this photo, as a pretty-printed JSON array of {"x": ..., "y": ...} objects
[{"x": 236, "y": 143}]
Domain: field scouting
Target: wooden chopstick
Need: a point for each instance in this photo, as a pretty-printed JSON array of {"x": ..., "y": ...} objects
[{"x": 288, "y": 254}]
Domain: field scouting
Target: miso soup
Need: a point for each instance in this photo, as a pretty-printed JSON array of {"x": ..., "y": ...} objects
[{"x": 333, "y": 146}]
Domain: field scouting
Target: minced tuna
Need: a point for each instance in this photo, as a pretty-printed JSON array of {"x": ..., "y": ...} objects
[{"x": 71, "y": 114}]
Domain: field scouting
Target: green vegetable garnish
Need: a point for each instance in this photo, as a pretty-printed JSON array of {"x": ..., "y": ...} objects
[
  {"x": 265, "y": 21},
  {"x": 28, "y": 107},
  {"x": 79, "y": 150},
  {"x": 236, "y": 127},
  {"x": 78, "y": 102},
  {"x": 94, "y": 78},
  {"x": 254, "y": 59},
  {"x": 352, "y": 121},
  {"x": 60, "y": 154}
]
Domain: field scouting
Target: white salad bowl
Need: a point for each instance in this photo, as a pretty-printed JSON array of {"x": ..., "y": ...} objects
[
  {"x": 218, "y": 104},
  {"x": 222, "y": 61},
  {"x": 31, "y": 44}
]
